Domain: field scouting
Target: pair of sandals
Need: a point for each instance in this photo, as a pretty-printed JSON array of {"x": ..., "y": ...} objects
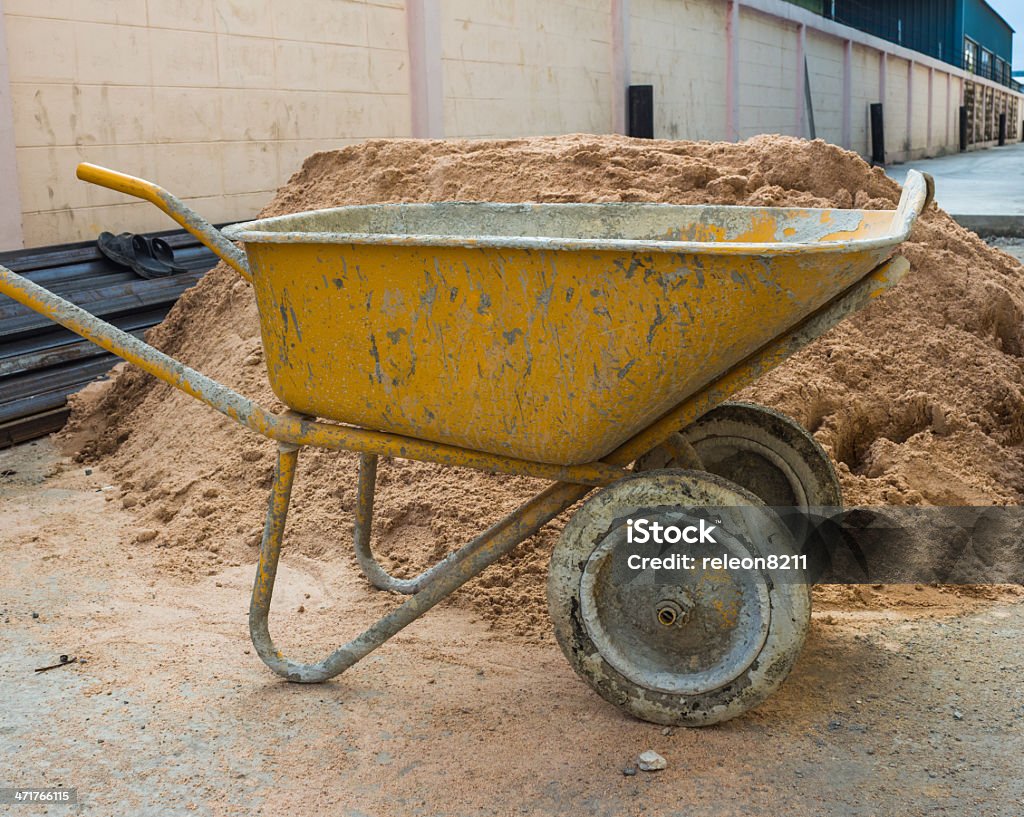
[{"x": 149, "y": 257}]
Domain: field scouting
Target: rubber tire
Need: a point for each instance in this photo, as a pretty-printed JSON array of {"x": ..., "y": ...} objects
[
  {"x": 789, "y": 602},
  {"x": 802, "y": 463}
]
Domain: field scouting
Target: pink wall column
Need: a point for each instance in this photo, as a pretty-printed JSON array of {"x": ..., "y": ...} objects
[
  {"x": 949, "y": 105},
  {"x": 621, "y": 69},
  {"x": 847, "y": 95},
  {"x": 979, "y": 122},
  {"x": 732, "y": 72},
  {"x": 11, "y": 237},
  {"x": 963, "y": 101},
  {"x": 931, "y": 99},
  {"x": 801, "y": 81},
  {"x": 910, "y": 108},
  {"x": 883, "y": 64},
  {"x": 426, "y": 90}
]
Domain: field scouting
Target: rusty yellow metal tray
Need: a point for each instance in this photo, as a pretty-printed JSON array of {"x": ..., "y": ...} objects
[{"x": 546, "y": 332}]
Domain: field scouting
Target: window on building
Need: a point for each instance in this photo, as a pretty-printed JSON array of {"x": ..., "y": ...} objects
[
  {"x": 985, "y": 64},
  {"x": 970, "y": 55}
]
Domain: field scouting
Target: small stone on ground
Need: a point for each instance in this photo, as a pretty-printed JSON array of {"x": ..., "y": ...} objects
[{"x": 651, "y": 761}]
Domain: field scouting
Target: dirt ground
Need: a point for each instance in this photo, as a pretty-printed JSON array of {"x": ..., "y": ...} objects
[{"x": 910, "y": 710}]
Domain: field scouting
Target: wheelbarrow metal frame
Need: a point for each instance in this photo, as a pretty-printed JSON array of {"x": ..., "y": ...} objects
[
  {"x": 457, "y": 568},
  {"x": 293, "y": 431}
]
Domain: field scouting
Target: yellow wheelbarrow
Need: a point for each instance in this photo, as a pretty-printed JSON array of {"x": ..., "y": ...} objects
[{"x": 586, "y": 344}]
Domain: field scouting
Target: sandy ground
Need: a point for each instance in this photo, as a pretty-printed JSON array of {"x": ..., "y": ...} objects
[{"x": 908, "y": 712}]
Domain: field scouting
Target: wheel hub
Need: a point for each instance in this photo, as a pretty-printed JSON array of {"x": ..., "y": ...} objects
[
  {"x": 677, "y": 630},
  {"x": 669, "y": 613}
]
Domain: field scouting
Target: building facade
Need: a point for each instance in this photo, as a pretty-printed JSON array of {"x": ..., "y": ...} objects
[
  {"x": 220, "y": 100},
  {"x": 969, "y": 34}
]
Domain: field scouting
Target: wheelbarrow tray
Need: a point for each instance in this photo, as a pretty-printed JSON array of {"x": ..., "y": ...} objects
[{"x": 546, "y": 332}]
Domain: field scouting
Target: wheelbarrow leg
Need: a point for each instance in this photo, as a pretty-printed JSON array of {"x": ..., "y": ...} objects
[
  {"x": 448, "y": 577},
  {"x": 372, "y": 569}
]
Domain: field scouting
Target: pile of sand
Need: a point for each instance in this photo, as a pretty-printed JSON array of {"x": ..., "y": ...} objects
[{"x": 920, "y": 399}]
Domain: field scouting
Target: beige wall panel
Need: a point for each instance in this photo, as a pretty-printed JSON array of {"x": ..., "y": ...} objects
[
  {"x": 940, "y": 113},
  {"x": 678, "y": 46},
  {"x": 246, "y": 62},
  {"x": 120, "y": 12},
  {"x": 251, "y": 18},
  {"x": 768, "y": 75},
  {"x": 39, "y": 167},
  {"x": 529, "y": 67},
  {"x": 249, "y": 166},
  {"x": 897, "y": 141},
  {"x": 919, "y": 115},
  {"x": 217, "y": 100},
  {"x": 186, "y": 114},
  {"x": 64, "y": 114},
  {"x": 863, "y": 92},
  {"x": 341, "y": 23},
  {"x": 40, "y": 50},
  {"x": 184, "y": 58},
  {"x": 388, "y": 73},
  {"x": 194, "y": 15},
  {"x": 262, "y": 114},
  {"x": 90, "y": 221},
  {"x": 112, "y": 54},
  {"x": 825, "y": 67},
  {"x": 221, "y": 100},
  {"x": 951, "y": 124},
  {"x": 385, "y": 28}
]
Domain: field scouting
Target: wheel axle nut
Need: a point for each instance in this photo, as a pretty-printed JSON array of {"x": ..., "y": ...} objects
[{"x": 669, "y": 613}]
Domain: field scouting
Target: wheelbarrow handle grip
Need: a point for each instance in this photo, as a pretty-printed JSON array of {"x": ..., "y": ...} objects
[{"x": 172, "y": 206}]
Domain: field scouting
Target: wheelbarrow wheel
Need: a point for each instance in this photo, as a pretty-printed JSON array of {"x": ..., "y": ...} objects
[
  {"x": 757, "y": 448},
  {"x": 687, "y": 647}
]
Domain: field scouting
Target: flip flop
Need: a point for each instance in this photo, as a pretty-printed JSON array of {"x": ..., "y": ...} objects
[
  {"x": 118, "y": 248},
  {"x": 144, "y": 262},
  {"x": 149, "y": 257},
  {"x": 163, "y": 252}
]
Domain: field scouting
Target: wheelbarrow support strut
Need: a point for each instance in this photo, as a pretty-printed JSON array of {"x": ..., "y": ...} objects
[{"x": 444, "y": 578}]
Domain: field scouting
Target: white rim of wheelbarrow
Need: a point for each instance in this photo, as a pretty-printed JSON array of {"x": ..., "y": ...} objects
[{"x": 912, "y": 202}]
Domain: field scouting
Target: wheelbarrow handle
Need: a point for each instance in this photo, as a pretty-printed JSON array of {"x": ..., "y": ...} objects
[{"x": 172, "y": 206}]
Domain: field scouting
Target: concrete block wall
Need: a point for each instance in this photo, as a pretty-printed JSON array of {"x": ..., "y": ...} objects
[
  {"x": 530, "y": 67},
  {"x": 218, "y": 101},
  {"x": 681, "y": 47},
  {"x": 894, "y": 102},
  {"x": 825, "y": 60},
  {"x": 767, "y": 67},
  {"x": 678, "y": 46},
  {"x": 919, "y": 111}
]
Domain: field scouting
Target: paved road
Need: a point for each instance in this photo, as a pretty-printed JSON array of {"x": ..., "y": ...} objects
[{"x": 981, "y": 182}]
